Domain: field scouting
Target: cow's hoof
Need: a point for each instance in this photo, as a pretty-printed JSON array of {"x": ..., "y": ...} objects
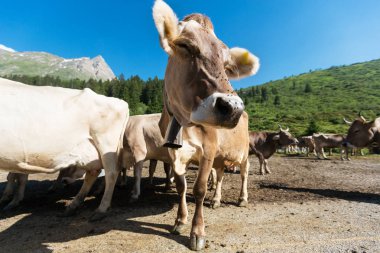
[
  {"x": 68, "y": 212},
  {"x": 10, "y": 206},
  {"x": 121, "y": 186},
  {"x": 243, "y": 203},
  {"x": 167, "y": 188},
  {"x": 215, "y": 204},
  {"x": 197, "y": 242},
  {"x": 177, "y": 228},
  {"x": 97, "y": 216},
  {"x": 133, "y": 200}
]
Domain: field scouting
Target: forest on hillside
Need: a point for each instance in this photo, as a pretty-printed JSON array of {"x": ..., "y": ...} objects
[{"x": 307, "y": 103}]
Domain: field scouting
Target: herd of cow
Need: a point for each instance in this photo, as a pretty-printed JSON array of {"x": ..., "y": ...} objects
[{"x": 79, "y": 133}]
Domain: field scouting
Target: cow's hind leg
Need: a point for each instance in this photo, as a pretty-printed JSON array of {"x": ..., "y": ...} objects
[
  {"x": 218, "y": 191},
  {"x": 212, "y": 180},
  {"x": 89, "y": 180},
  {"x": 168, "y": 182},
  {"x": 152, "y": 169},
  {"x": 136, "y": 188},
  {"x": 243, "y": 199},
  {"x": 21, "y": 179},
  {"x": 182, "y": 212},
  {"x": 9, "y": 189}
]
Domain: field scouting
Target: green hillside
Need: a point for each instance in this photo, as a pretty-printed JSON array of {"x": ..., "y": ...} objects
[{"x": 323, "y": 96}]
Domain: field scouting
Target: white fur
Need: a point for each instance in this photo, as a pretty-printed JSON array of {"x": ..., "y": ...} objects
[
  {"x": 246, "y": 63},
  {"x": 163, "y": 17},
  {"x": 205, "y": 113}
]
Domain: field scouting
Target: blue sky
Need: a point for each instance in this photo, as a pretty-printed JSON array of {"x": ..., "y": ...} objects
[{"x": 289, "y": 36}]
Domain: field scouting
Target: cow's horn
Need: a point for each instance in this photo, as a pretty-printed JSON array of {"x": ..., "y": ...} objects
[
  {"x": 280, "y": 127},
  {"x": 287, "y": 130},
  {"x": 347, "y": 122}
]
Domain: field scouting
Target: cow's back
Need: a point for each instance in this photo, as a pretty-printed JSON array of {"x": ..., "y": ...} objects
[{"x": 328, "y": 140}]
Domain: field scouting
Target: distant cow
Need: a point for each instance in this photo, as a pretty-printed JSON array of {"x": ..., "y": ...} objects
[
  {"x": 363, "y": 133},
  {"x": 45, "y": 129},
  {"x": 322, "y": 141},
  {"x": 264, "y": 145},
  {"x": 307, "y": 142},
  {"x": 143, "y": 141},
  {"x": 16, "y": 183}
]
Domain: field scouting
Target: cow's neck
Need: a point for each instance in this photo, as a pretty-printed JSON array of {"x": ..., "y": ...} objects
[{"x": 271, "y": 144}]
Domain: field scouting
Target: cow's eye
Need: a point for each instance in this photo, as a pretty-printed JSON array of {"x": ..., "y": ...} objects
[{"x": 186, "y": 47}]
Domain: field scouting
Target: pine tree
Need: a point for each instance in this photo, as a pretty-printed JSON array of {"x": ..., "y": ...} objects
[
  {"x": 277, "y": 101},
  {"x": 312, "y": 128},
  {"x": 308, "y": 88}
]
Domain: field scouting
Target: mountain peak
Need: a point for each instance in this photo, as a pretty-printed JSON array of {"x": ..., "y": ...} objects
[
  {"x": 5, "y": 48},
  {"x": 42, "y": 64}
]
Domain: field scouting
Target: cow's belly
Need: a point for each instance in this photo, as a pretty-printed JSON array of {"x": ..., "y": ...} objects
[
  {"x": 158, "y": 153},
  {"x": 233, "y": 157},
  {"x": 83, "y": 154}
]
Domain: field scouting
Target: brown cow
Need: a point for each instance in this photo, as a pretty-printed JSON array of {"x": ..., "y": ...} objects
[
  {"x": 231, "y": 150},
  {"x": 363, "y": 133},
  {"x": 143, "y": 141},
  {"x": 197, "y": 92},
  {"x": 308, "y": 143},
  {"x": 265, "y": 144},
  {"x": 322, "y": 141}
]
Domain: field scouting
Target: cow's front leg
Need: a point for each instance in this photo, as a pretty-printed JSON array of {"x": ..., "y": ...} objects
[
  {"x": 182, "y": 212},
  {"x": 20, "y": 190},
  {"x": 136, "y": 188},
  {"x": 243, "y": 199},
  {"x": 89, "y": 179},
  {"x": 111, "y": 170},
  {"x": 266, "y": 166},
  {"x": 218, "y": 191},
  {"x": 197, "y": 235},
  {"x": 323, "y": 154}
]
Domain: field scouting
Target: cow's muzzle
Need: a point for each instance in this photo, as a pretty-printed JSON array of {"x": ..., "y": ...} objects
[{"x": 219, "y": 110}]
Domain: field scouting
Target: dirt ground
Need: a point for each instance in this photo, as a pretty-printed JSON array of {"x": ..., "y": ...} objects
[{"x": 305, "y": 205}]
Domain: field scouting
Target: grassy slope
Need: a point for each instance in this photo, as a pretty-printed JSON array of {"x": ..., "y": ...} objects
[{"x": 337, "y": 92}]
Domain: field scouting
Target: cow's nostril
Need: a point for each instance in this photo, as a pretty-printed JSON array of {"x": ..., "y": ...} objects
[{"x": 224, "y": 107}]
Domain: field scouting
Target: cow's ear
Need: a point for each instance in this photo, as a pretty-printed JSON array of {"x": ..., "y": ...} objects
[
  {"x": 276, "y": 137},
  {"x": 241, "y": 63},
  {"x": 166, "y": 23}
]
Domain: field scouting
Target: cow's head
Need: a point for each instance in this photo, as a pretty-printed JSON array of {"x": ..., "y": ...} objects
[
  {"x": 197, "y": 87},
  {"x": 361, "y": 132},
  {"x": 284, "y": 137}
]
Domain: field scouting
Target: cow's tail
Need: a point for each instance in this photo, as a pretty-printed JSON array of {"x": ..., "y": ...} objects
[
  {"x": 25, "y": 168},
  {"x": 120, "y": 147}
]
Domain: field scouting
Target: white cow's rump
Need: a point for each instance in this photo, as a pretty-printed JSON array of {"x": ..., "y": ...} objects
[{"x": 46, "y": 129}]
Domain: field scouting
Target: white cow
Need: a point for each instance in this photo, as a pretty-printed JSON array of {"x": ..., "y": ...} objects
[{"x": 45, "y": 129}]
